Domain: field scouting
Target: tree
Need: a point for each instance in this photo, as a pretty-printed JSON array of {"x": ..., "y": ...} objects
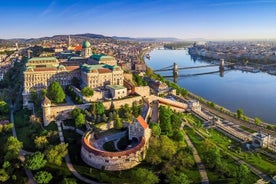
[
  {"x": 149, "y": 72},
  {"x": 100, "y": 108},
  {"x": 35, "y": 161},
  {"x": 55, "y": 92},
  {"x": 176, "y": 121},
  {"x": 179, "y": 178},
  {"x": 258, "y": 121},
  {"x": 41, "y": 142},
  {"x": 75, "y": 112},
  {"x": 179, "y": 136},
  {"x": 155, "y": 129},
  {"x": 4, "y": 176},
  {"x": 55, "y": 154},
  {"x": 239, "y": 113},
  {"x": 135, "y": 109},
  {"x": 118, "y": 122},
  {"x": 165, "y": 120},
  {"x": 69, "y": 181},
  {"x": 4, "y": 108},
  {"x": 80, "y": 120},
  {"x": 211, "y": 154},
  {"x": 242, "y": 173},
  {"x": 87, "y": 91},
  {"x": 143, "y": 176},
  {"x": 43, "y": 177},
  {"x": 12, "y": 148}
]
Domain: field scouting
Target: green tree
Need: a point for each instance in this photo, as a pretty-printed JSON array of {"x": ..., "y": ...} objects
[
  {"x": 211, "y": 154},
  {"x": 242, "y": 173},
  {"x": 179, "y": 136},
  {"x": 149, "y": 72},
  {"x": 118, "y": 122},
  {"x": 155, "y": 129},
  {"x": 55, "y": 154},
  {"x": 69, "y": 181},
  {"x": 55, "y": 92},
  {"x": 100, "y": 108},
  {"x": 87, "y": 91},
  {"x": 80, "y": 120},
  {"x": 258, "y": 121},
  {"x": 176, "y": 121},
  {"x": 239, "y": 113},
  {"x": 4, "y": 108},
  {"x": 135, "y": 109},
  {"x": 4, "y": 176},
  {"x": 35, "y": 161},
  {"x": 75, "y": 112},
  {"x": 165, "y": 120},
  {"x": 143, "y": 176},
  {"x": 43, "y": 177},
  {"x": 41, "y": 142},
  {"x": 179, "y": 178},
  {"x": 12, "y": 148}
]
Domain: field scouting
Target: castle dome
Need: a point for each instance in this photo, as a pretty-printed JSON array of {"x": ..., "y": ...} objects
[{"x": 86, "y": 44}]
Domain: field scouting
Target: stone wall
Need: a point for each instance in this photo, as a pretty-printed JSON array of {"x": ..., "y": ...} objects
[
  {"x": 62, "y": 112},
  {"x": 143, "y": 90},
  {"x": 112, "y": 161}
]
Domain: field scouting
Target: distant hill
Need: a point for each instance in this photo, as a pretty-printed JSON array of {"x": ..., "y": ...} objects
[
  {"x": 149, "y": 39},
  {"x": 78, "y": 38}
]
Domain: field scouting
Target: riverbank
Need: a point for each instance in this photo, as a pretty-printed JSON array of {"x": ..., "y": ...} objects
[{"x": 235, "y": 90}]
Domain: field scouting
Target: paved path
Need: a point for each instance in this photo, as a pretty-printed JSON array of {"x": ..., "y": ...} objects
[
  {"x": 201, "y": 168},
  {"x": 68, "y": 161},
  {"x": 22, "y": 152}
]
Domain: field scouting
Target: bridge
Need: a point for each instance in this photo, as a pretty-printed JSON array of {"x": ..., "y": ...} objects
[{"x": 175, "y": 69}]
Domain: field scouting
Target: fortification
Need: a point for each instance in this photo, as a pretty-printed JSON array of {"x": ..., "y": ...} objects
[{"x": 92, "y": 155}]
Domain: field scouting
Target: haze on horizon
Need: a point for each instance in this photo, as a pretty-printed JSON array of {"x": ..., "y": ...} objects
[{"x": 209, "y": 19}]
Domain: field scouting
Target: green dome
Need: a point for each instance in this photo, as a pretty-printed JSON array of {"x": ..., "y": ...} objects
[{"x": 86, "y": 44}]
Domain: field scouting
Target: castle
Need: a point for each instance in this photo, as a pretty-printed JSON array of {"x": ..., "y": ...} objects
[
  {"x": 94, "y": 155},
  {"x": 96, "y": 70}
]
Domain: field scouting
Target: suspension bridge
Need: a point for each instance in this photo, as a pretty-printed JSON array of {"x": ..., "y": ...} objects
[{"x": 174, "y": 68}]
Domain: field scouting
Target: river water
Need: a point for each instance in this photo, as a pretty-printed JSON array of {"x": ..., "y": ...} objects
[{"x": 255, "y": 93}]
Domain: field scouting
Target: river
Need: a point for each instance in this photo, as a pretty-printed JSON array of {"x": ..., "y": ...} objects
[{"x": 255, "y": 93}]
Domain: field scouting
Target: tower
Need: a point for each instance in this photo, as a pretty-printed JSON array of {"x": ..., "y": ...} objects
[
  {"x": 86, "y": 49},
  {"x": 221, "y": 65},
  {"x": 175, "y": 71},
  {"x": 69, "y": 41},
  {"x": 46, "y": 107}
]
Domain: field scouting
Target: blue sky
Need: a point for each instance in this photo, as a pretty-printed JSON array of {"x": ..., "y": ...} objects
[{"x": 217, "y": 19}]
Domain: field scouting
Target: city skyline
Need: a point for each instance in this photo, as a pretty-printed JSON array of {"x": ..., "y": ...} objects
[{"x": 213, "y": 20}]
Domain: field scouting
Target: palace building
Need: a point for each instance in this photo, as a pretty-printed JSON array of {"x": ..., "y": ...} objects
[{"x": 40, "y": 72}]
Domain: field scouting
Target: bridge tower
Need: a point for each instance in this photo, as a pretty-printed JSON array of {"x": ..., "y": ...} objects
[
  {"x": 221, "y": 65},
  {"x": 175, "y": 70}
]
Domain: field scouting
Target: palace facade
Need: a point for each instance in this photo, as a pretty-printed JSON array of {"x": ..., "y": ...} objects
[{"x": 40, "y": 72}]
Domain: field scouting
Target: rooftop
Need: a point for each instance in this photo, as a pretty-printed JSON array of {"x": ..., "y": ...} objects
[{"x": 116, "y": 87}]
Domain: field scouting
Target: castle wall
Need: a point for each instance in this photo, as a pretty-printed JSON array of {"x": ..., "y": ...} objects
[{"x": 113, "y": 161}]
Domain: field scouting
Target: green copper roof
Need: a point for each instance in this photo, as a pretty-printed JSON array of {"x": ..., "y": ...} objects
[
  {"x": 86, "y": 44},
  {"x": 42, "y": 59},
  {"x": 88, "y": 68},
  {"x": 101, "y": 57},
  {"x": 116, "y": 87}
]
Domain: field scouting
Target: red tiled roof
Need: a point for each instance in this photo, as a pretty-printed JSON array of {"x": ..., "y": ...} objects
[
  {"x": 104, "y": 70},
  {"x": 78, "y": 48},
  {"x": 142, "y": 122},
  {"x": 72, "y": 67}
]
